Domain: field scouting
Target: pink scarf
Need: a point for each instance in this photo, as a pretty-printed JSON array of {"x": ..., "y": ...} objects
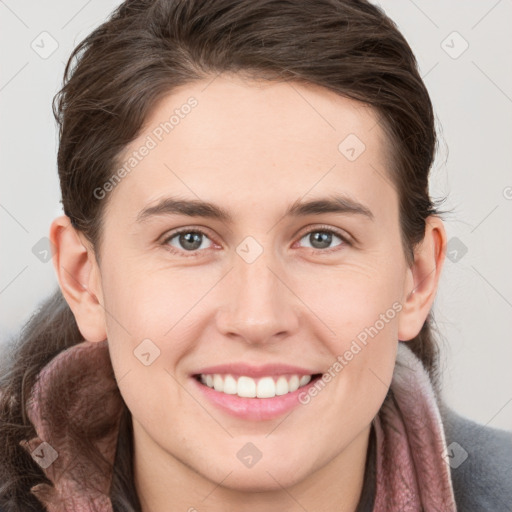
[{"x": 412, "y": 472}]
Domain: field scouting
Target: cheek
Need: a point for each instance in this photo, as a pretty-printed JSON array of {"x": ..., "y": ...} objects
[
  {"x": 152, "y": 302},
  {"x": 354, "y": 299},
  {"x": 362, "y": 308},
  {"x": 144, "y": 312}
]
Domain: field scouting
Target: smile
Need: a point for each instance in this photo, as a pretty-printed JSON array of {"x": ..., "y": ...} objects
[
  {"x": 248, "y": 387},
  {"x": 254, "y": 399}
]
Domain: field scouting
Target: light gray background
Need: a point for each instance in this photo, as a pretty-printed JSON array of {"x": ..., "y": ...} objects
[{"x": 472, "y": 96}]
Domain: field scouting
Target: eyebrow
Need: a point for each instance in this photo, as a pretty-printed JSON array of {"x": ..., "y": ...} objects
[{"x": 196, "y": 208}]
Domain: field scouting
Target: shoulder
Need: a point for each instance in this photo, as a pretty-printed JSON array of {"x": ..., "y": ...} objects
[{"x": 480, "y": 460}]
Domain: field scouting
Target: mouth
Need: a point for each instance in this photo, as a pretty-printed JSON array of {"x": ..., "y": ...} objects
[
  {"x": 244, "y": 386},
  {"x": 254, "y": 399}
]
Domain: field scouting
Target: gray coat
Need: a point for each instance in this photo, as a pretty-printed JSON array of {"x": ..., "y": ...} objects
[{"x": 482, "y": 482}]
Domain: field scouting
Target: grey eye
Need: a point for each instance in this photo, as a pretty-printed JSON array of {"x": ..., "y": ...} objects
[
  {"x": 321, "y": 239},
  {"x": 188, "y": 240}
]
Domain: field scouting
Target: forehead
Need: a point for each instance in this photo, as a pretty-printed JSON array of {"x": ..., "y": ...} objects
[{"x": 258, "y": 142}]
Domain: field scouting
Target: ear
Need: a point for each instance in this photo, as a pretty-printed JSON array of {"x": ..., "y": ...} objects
[
  {"x": 422, "y": 279},
  {"x": 79, "y": 278}
]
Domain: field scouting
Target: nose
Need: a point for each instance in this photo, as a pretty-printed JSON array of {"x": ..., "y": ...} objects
[{"x": 259, "y": 307}]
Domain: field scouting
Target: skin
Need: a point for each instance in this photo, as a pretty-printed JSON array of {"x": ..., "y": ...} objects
[{"x": 252, "y": 148}]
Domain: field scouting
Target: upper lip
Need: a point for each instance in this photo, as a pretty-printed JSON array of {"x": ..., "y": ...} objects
[{"x": 255, "y": 371}]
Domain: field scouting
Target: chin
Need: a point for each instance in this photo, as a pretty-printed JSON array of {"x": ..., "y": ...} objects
[
  {"x": 248, "y": 482},
  {"x": 261, "y": 477}
]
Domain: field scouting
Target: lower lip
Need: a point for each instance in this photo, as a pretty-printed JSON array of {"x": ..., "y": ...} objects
[{"x": 254, "y": 409}]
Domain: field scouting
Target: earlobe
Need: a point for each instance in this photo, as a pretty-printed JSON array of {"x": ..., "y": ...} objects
[
  {"x": 422, "y": 279},
  {"x": 79, "y": 278}
]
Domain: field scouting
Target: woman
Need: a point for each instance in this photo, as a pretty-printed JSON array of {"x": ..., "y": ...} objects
[{"x": 247, "y": 264}]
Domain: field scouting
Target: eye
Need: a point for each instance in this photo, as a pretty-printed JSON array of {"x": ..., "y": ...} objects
[
  {"x": 187, "y": 240},
  {"x": 321, "y": 238}
]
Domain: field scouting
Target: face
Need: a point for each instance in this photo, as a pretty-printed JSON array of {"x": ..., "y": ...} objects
[{"x": 316, "y": 290}]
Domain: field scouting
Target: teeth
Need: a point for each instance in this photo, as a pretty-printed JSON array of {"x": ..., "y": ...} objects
[
  {"x": 294, "y": 383},
  {"x": 218, "y": 383},
  {"x": 266, "y": 388},
  {"x": 247, "y": 387},
  {"x": 304, "y": 380},
  {"x": 230, "y": 385},
  {"x": 282, "y": 386}
]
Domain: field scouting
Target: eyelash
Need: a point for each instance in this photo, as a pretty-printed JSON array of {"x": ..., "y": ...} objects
[{"x": 196, "y": 253}]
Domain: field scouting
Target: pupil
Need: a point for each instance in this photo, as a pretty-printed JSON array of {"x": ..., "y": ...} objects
[
  {"x": 191, "y": 238},
  {"x": 323, "y": 238}
]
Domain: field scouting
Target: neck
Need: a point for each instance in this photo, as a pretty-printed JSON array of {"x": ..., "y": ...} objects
[{"x": 163, "y": 481}]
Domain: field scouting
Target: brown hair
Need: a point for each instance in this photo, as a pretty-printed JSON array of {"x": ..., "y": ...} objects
[{"x": 113, "y": 79}]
